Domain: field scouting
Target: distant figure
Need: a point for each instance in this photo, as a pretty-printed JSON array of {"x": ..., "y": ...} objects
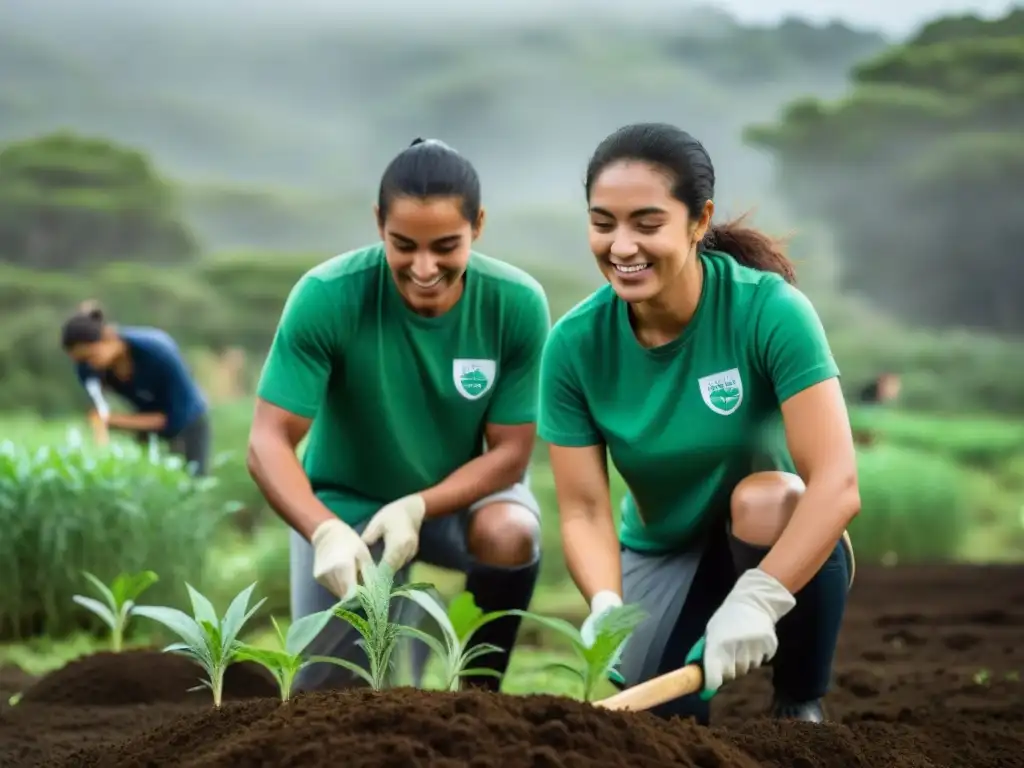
[
  {"x": 884, "y": 389},
  {"x": 146, "y": 368}
]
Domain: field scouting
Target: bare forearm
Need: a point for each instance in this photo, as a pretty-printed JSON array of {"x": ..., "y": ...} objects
[
  {"x": 592, "y": 555},
  {"x": 817, "y": 523},
  {"x": 137, "y": 422},
  {"x": 495, "y": 470},
  {"x": 276, "y": 470}
]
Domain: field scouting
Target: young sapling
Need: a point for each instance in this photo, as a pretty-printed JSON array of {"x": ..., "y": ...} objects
[
  {"x": 458, "y": 624},
  {"x": 286, "y": 661},
  {"x": 596, "y": 660},
  {"x": 379, "y": 634},
  {"x": 118, "y": 604},
  {"x": 209, "y": 641}
]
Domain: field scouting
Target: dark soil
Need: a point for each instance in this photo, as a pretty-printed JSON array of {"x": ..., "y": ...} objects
[{"x": 927, "y": 674}]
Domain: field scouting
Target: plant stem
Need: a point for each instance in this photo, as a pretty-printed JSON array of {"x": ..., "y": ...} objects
[
  {"x": 115, "y": 640},
  {"x": 218, "y": 687}
]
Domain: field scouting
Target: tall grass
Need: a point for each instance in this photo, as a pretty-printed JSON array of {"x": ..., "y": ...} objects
[{"x": 68, "y": 507}]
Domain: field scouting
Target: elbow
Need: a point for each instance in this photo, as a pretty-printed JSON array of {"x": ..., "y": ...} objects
[
  {"x": 849, "y": 497},
  {"x": 252, "y": 458}
]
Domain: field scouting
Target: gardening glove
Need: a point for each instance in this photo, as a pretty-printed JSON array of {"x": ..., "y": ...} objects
[
  {"x": 741, "y": 634},
  {"x": 600, "y": 604},
  {"x": 399, "y": 524},
  {"x": 339, "y": 556}
]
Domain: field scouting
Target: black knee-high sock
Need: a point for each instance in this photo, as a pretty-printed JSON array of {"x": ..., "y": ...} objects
[
  {"x": 802, "y": 667},
  {"x": 499, "y": 589}
]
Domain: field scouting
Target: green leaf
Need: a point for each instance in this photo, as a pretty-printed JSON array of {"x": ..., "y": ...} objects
[
  {"x": 463, "y": 613},
  {"x": 128, "y": 587},
  {"x": 303, "y": 631},
  {"x": 350, "y": 666},
  {"x": 478, "y": 672},
  {"x": 432, "y": 642},
  {"x": 179, "y": 622},
  {"x": 98, "y": 608},
  {"x": 236, "y": 615},
  {"x": 202, "y": 608},
  {"x": 560, "y": 626},
  {"x": 103, "y": 590}
]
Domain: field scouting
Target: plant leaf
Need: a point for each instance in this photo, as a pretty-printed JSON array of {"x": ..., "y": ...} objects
[
  {"x": 350, "y": 666},
  {"x": 179, "y": 622},
  {"x": 98, "y": 608},
  {"x": 104, "y": 591},
  {"x": 362, "y": 625},
  {"x": 436, "y": 611},
  {"x": 560, "y": 626},
  {"x": 432, "y": 642},
  {"x": 463, "y": 613},
  {"x": 475, "y": 652},
  {"x": 236, "y": 616},
  {"x": 202, "y": 609},
  {"x": 563, "y": 667},
  {"x": 478, "y": 672},
  {"x": 303, "y": 631},
  {"x": 128, "y": 587}
]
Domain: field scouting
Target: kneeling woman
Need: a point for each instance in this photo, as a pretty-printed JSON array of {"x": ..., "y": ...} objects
[
  {"x": 146, "y": 368},
  {"x": 708, "y": 378}
]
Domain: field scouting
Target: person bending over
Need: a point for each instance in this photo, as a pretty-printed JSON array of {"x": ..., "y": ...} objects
[
  {"x": 413, "y": 366},
  {"x": 707, "y": 377},
  {"x": 145, "y": 367}
]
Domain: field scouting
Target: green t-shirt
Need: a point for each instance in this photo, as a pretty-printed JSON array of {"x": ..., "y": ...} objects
[
  {"x": 398, "y": 400},
  {"x": 686, "y": 421}
]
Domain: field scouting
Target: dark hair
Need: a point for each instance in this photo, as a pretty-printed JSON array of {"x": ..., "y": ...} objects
[
  {"x": 686, "y": 161},
  {"x": 430, "y": 168},
  {"x": 85, "y": 326}
]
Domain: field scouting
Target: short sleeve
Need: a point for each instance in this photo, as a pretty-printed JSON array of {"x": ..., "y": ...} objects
[
  {"x": 298, "y": 366},
  {"x": 792, "y": 347},
  {"x": 515, "y": 397},
  {"x": 565, "y": 417}
]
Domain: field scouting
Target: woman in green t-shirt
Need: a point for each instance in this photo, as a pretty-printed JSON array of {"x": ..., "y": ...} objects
[{"x": 708, "y": 378}]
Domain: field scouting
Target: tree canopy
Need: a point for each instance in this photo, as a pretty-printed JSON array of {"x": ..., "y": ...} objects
[
  {"x": 67, "y": 202},
  {"x": 919, "y": 171}
]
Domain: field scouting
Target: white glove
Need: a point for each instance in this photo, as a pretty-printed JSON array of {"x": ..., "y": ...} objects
[
  {"x": 741, "y": 634},
  {"x": 339, "y": 557},
  {"x": 399, "y": 523},
  {"x": 600, "y": 604}
]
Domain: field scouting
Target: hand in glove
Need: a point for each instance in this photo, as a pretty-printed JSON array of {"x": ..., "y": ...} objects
[
  {"x": 399, "y": 524},
  {"x": 741, "y": 634},
  {"x": 600, "y": 605},
  {"x": 339, "y": 556}
]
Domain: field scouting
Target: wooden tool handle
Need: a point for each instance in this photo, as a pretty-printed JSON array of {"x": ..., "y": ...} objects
[{"x": 658, "y": 690}]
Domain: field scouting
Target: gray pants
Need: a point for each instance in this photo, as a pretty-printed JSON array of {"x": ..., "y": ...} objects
[
  {"x": 192, "y": 443},
  {"x": 443, "y": 543},
  {"x": 662, "y": 585}
]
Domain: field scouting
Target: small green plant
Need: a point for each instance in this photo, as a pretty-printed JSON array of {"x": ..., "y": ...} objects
[
  {"x": 597, "y": 660},
  {"x": 209, "y": 641},
  {"x": 462, "y": 619},
  {"x": 379, "y": 634},
  {"x": 118, "y": 601},
  {"x": 286, "y": 661}
]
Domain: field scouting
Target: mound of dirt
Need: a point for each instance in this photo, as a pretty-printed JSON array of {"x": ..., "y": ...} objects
[
  {"x": 141, "y": 677},
  {"x": 405, "y": 727}
]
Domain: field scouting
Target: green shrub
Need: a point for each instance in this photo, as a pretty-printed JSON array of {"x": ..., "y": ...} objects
[
  {"x": 915, "y": 507},
  {"x": 68, "y": 507},
  {"x": 990, "y": 444}
]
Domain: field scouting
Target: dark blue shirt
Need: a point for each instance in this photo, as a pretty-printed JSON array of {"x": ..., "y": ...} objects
[{"x": 160, "y": 380}]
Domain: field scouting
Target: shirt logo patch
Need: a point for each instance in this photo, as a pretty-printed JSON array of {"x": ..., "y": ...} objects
[
  {"x": 473, "y": 378},
  {"x": 722, "y": 392}
]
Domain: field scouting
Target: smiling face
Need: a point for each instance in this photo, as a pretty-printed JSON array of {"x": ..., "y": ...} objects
[
  {"x": 641, "y": 235},
  {"x": 428, "y": 244}
]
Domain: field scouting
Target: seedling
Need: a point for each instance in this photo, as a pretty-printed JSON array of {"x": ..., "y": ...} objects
[
  {"x": 118, "y": 602},
  {"x": 207, "y": 640},
  {"x": 379, "y": 634},
  {"x": 458, "y": 625},
  {"x": 596, "y": 661},
  {"x": 286, "y": 661}
]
